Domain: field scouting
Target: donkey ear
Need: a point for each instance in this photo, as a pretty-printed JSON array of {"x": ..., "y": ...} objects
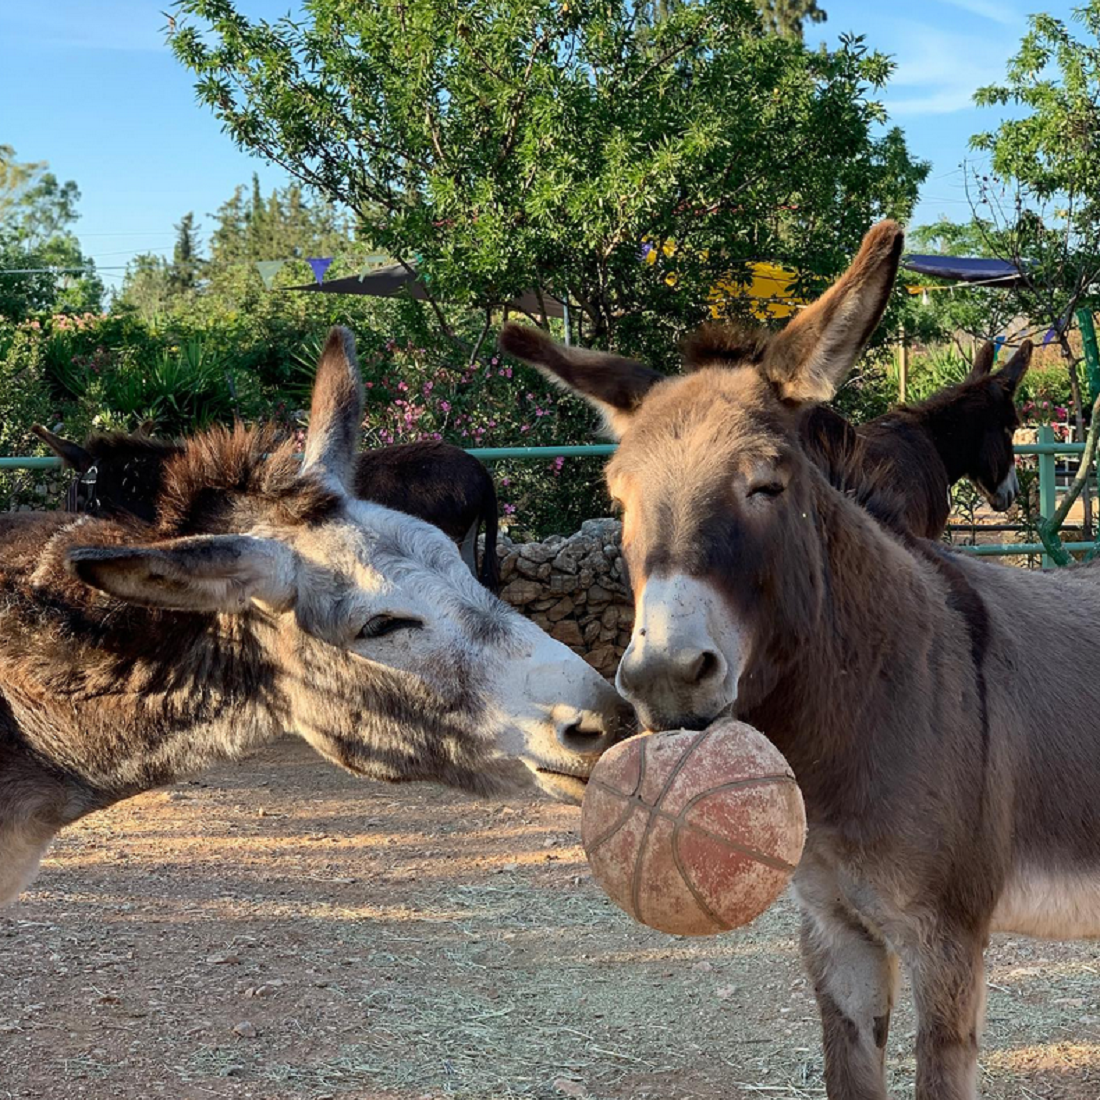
[
  {"x": 614, "y": 385},
  {"x": 1012, "y": 373},
  {"x": 808, "y": 360},
  {"x": 335, "y": 412},
  {"x": 220, "y": 573},
  {"x": 983, "y": 361},
  {"x": 72, "y": 454}
]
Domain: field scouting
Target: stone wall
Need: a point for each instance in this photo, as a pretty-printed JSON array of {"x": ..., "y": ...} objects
[{"x": 574, "y": 589}]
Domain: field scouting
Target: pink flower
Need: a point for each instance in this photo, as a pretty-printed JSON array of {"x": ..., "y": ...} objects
[
  {"x": 506, "y": 481},
  {"x": 509, "y": 509},
  {"x": 445, "y": 406},
  {"x": 525, "y": 427},
  {"x": 402, "y": 386},
  {"x": 494, "y": 361},
  {"x": 428, "y": 386}
]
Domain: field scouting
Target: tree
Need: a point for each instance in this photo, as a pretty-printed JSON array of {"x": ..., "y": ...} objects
[
  {"x": 541, "y": 145},
  {"x": 1041, "y": 202},
  {"x": 788, "y": 16},
  {"x": 147, "y": 286},
  {"x": 183, "y": 275},
  {"x": 46, "y": 267},
  {"x": 283, "y": 225}
]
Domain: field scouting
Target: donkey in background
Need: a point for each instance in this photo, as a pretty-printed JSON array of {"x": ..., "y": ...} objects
[
  {"x": 266, "y": 598},
  {"x": 901, "y": 466},
  {"x": 434, "y": 481},
  {"x": 907, "y": 685}
]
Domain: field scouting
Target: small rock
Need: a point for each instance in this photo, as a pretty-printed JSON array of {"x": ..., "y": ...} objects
[
  {"x": 224, "y": 960},
  {"x": 538, "y": 552},
  {"x": 565, "y": 1087},
  {"x": 567, "y": 631},
  {"x": 560, "y": 610},
  {"x": 521, "y": 591},
  {"x": 725, "y": 992},
  {"x": 245, "y": 1029}
]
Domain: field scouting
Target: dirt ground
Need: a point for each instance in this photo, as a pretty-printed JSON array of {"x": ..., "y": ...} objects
[{"x": 281, "y": 930}]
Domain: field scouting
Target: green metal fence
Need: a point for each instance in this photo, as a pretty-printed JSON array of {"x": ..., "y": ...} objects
[{"x": 1046, "y": 449}]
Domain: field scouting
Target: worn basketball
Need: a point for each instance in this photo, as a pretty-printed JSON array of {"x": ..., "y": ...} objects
[{"x": 693, "y": 833}]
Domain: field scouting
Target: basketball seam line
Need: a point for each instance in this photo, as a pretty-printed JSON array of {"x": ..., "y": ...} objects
[
  {"x": 680, "y": 820},
  {"x": 699, "y": 899},
  {"x": 599, "y": 842},
  {"x": 636, "y": 884}
]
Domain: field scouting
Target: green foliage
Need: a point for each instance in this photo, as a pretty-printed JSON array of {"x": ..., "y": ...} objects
[
  {"x": 36, "y": 212},
  {"x": 1041, "y": 206},
  {"x": 535, "y": 144}
]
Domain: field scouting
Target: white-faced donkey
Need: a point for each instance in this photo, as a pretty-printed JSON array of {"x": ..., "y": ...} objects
[{"x": 266, "y": 598}]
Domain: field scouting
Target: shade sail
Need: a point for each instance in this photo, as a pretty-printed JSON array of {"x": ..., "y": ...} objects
[
  {"x": 965, "y": 269},
  {"x": 395, "y": 280}
]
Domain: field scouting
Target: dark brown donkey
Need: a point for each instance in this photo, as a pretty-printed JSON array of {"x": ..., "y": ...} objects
[
  {"x": 908, "y": 686},
  {"x": 901, "y": 466},
  {"x": 267, "y": 598},
  {"x": 438, "y": 483}
]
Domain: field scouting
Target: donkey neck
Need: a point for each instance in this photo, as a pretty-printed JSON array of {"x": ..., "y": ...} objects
[
  {"x": 950, "y": 429},
  {"x": 835, "y": 708}
]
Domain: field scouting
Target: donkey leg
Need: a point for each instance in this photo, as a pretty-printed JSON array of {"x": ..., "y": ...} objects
[
  {"x": 468, "y": 547},
  {"x": 948, "y": 975},
  {"x": 855, "y": 977}
]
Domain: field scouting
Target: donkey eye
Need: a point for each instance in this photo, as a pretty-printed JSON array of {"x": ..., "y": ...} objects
[
  {"x": 381, "y": 625},
  {"x": 768, "y": 489}
]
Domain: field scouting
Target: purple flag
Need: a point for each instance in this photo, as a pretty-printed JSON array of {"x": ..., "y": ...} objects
[
  {"x": 320, "y": 265},
  {"x": 1049, "y": 336}
]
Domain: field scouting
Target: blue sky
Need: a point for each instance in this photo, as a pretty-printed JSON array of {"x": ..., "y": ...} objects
[{"x": 89, "y": 86}]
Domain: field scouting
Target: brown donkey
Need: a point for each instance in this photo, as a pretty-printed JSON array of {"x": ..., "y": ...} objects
[
  {"x": 908, "y": 686},
  {"x": 901, "y": 466},
  {"x": 266, "y": 598}
]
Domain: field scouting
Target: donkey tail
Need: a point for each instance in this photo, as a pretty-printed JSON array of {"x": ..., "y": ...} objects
[{"x": 489, "y": 574}]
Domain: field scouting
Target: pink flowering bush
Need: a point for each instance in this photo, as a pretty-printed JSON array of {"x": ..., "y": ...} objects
[{"x": 416, "y": 392}]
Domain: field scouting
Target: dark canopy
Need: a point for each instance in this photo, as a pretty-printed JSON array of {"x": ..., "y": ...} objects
[
  {"x": 393, "y": 280},
  {"x": 396, "y": 279},
  {"x": 965, "y": 269}
]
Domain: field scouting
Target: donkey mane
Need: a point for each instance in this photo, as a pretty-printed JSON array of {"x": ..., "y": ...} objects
[
  {"x": 112, "y": 444},
  {"x": 717, "y": 344},
  {"x": 208, "y": 485}
]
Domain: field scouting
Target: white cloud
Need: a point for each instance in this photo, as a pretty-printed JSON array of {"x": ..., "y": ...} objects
[
  {"x": 996, "y": 10},
  {"x": 939, "y": 71}
]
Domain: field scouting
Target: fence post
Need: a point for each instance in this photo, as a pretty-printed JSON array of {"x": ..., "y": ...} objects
[
  {"x": 1092, "y": 353},
  {"x": 903, "y": 369},
  {"x": 1047, "y": 481}
]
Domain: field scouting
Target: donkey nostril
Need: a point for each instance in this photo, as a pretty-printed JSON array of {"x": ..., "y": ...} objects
[
  {"x": 582, "y": 735},
  {"x": 699, "y": 665}
]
